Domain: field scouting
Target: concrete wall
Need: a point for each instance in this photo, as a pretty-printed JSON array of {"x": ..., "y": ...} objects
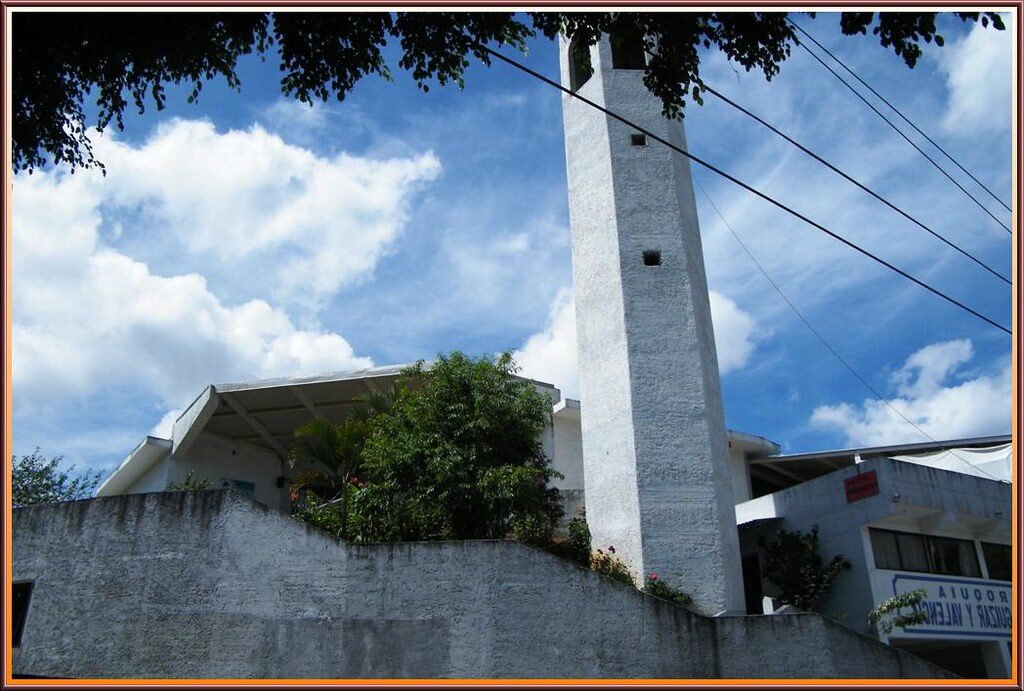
[{"x": 212, "y": 584}]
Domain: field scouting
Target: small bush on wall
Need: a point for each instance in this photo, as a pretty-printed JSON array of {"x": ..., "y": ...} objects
[
  {"x": 889, "y": 613},
  {"x": 659, "y": 588},
  {"x": 796, "y": 572},
  {"x": 575, "y": 546},
  {"x": 607, "y": 564}
]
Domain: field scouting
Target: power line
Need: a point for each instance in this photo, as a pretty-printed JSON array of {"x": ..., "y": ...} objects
[
  {"x": 858, "y": 184},
  {"x": 898, "y": 112},
  {"x": 742, "y": 184},
  {"x": 903, "y": 134},
  {"x": 817, "y": 333}
]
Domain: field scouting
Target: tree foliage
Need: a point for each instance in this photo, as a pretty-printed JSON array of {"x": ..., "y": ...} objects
[
  {"x": 62, "y": 59},
  {"x": 191, "y": 482},
  {"x": 458, "y": 457},
  {"x": 889, "y": 613},
  {"x": 36, "y": 479},
  {"x": 797, "y": 572},
  {"x": 334, "y": 453}
]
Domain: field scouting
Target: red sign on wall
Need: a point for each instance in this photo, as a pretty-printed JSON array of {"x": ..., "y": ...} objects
[{"x": 861, "y": 486}]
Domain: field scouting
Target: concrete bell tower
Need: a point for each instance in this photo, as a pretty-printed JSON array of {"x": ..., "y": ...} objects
[{"x": 656, "y": 467}]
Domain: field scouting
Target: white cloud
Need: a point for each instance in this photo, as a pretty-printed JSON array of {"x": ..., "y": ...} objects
[
  {"x": 979, "y": 79},
  {"x": 734, "y": 333},
  {"x": 165, "y": 427},
  {"x": 248, "y": 203},
  {"x": 288, "y": 114},
  {"x": 932, "y": 393},
  {"x": 86, "y": 316},
  {"x": 550, "y": 355}
]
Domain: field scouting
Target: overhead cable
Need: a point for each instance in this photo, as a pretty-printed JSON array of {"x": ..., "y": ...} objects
[
  {"x": 737, "y": 181},
  {"x": 874, "y": 194},
  {"x": 900, "y": 113},
  {"x": 817, "y": 333},
  {"x": 903, "y": 134}
]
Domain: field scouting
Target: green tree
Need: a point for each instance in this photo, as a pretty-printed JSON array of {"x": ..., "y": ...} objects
[
  {"x": 36, "y": 479},
  {"x": 335, "y": 453},
  {"x": 458, "y": 457},
  {"x": 60, "y": 59},
  {"x": 797, "y": 571}
]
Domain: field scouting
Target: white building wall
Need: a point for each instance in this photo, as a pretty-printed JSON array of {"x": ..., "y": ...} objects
[
  {"x": 222, "y": 461},
  {"x": 154, "y": 479},
  {"x": 911, "y": 498}
]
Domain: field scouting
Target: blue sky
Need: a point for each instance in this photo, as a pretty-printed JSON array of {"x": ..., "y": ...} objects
[{"x": 249, "y": 236}]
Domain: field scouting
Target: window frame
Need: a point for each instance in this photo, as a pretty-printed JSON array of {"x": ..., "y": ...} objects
[
  {"x": 928, "y": 544},
  {"x": 1009, "y": 560}
]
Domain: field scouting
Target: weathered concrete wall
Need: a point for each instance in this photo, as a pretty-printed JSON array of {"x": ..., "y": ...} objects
[{"x": 212, "y": 584}]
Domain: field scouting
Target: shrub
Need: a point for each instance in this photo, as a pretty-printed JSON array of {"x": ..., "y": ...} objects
[
  {"x": 190, "y": 482},
  {"x": 659, "y": 588},
  {"x": 798, "y": 574},
  {"x": 576, "y": 545},
  {"x": 458, "y": 456},
  {"x": 878, "y": 622},
  {"x": 607, "y": 564},
  {"x": 312, "y": 510},
  {"x": 36, "y": 479}
]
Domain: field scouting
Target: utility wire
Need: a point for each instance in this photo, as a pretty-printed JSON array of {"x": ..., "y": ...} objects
[
  {"x": 742, "y": 184},
  {"x": 874, "y": 194},
  {"x": 817, "y": 333},
  {"x": 898, "y": 112},
  {"x": 903, "y": 134}
]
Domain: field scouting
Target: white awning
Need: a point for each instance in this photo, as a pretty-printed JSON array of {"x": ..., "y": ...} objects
[{"x": 991, "y": 463}]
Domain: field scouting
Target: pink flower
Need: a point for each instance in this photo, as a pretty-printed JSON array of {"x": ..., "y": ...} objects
[{"x": 653, "y": 577}]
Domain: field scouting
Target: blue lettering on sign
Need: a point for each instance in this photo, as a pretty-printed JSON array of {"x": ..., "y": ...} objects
[{"x": 958, "y": 607}]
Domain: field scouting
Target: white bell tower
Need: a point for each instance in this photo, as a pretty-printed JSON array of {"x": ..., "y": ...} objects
[{"x": 656, "y": 466}]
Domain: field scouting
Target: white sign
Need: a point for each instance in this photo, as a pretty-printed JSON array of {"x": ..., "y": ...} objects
[{"x": 964, "y": 608}]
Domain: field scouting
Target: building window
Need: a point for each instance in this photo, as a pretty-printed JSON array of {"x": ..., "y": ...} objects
[
  {"x": 924, "y": 553},
  {"x": 21, "y": 594},
  {"x": 954, "y": 557},
  {"x": 913, "y": 552},
  {"x": 887, "y": 554},
  {"x": 652, "y": 257},
  {"x": 580, "y": 67},
  {"x": 998, "y": 561},
  {"x": 628, "y": 53},
  {"x": 638, "y": 139}
]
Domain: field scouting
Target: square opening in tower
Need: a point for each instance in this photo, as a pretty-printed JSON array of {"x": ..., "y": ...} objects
[
  {"x": 628, "y": 53},
  {"x": 652, "y": 257}
]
